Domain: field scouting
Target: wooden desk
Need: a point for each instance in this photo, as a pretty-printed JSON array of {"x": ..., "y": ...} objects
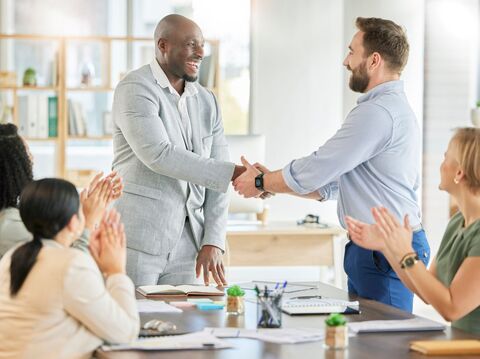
[
  {"x": 362, "y": 346},
  {"x": 285, "y": 244}
]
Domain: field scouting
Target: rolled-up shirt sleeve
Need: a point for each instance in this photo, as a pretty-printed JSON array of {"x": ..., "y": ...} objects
[
  {"x": 329, "y": 192},
  {"x": 366, "y": 131}
]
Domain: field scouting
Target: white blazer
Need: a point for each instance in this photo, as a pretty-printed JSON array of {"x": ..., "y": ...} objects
[{"x": 64, "y": 309}]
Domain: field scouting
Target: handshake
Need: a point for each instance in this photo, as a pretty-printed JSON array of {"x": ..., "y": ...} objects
[{"x": 243, "y": 180}]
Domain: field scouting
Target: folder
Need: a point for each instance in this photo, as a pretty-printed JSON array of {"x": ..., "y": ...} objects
[{"x": 446, "y": 347}]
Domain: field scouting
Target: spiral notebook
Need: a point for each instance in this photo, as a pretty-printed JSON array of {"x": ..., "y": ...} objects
[{"x": 317, "y": 305}]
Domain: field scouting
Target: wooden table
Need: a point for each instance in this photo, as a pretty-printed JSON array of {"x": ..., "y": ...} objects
[
  {"x": 278, "y": 244},
  {"x": 362, "y": 346}
]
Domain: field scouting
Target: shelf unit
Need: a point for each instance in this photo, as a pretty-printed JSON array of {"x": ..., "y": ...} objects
[{"x": 62, "y": 91}]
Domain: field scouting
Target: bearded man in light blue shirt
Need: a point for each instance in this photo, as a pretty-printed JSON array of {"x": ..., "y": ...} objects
[{"x": 372, "y": 160}]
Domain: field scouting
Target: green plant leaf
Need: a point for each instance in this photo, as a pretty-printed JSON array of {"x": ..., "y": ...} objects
[
  {"x": 235, "y": 291},
  {"x": 335, "y": 320}
]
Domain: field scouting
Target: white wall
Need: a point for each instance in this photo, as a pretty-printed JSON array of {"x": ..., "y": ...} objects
[
  {"x": 451, "y": 78},
  {"x": 296, "y": 98},
  {"x": 300, "y": 92}
]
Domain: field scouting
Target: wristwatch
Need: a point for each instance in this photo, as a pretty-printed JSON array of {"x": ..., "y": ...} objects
[
  {"x": 409, "y": 260},
  {"x": 259, "y": 182}
]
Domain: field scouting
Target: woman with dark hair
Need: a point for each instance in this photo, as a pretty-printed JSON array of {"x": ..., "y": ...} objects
[
  {"x": 54, "y": 301},
  {"x": 16, "y": 173}
]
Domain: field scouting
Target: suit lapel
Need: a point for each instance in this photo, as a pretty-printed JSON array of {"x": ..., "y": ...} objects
[{"x": 194, "y": 114}]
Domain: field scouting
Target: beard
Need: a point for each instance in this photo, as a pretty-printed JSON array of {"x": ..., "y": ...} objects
[
  {"x": 189, "y": 78},
  {"x": 359, "y": 78}
]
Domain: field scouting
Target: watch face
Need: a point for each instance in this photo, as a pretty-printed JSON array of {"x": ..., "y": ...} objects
[{"x": 257, "y": 182}]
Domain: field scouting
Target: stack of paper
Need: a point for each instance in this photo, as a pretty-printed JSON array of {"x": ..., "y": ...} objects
[
  {"x": 155, "y": 306},
  {"x": 279, "y": 336},
  {"x": 198, "y": 340},
  {"x": 402, "y": 325}
]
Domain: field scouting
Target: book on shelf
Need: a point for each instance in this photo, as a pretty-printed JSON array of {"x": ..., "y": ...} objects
[
  {"x": 165, "y": 290},
  {"x": 33, "y": 115},
  {"x": 52, "y": 116},
  {"x": 76, "y": 119},
  {"x": 37, "y": 115}
]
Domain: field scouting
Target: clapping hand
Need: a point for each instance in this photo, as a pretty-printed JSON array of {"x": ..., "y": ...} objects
[
  {"x": 387, "y": 234},
  {"x": 398, "y": 237},
  {"x": 99, "y": 194},
  {"x": 108, "y": 244}
]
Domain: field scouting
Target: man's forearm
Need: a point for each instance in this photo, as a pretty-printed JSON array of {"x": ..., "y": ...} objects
[{"x": 275, "y": 183}]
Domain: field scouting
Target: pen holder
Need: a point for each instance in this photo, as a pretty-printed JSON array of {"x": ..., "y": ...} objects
[{"x": 269, "y": 310}]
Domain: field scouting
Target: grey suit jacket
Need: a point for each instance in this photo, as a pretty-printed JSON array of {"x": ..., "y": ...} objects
[{"x": 164, "y": 181}]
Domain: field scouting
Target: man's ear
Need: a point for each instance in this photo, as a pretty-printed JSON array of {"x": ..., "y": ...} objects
[
  {"x": 162, "y": 45},
  {"x": 374, "y": 60}
]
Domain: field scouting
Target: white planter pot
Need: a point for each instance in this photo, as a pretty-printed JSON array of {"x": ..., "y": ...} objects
[{"x": 475, "y": 114}]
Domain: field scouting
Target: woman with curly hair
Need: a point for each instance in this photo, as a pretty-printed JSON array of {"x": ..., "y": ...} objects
[{"x": 16, "y": 173}]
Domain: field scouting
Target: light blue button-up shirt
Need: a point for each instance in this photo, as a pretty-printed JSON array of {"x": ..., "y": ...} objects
[{"x": 373, "y": 159}]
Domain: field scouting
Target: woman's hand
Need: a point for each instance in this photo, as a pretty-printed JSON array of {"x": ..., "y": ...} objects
[
  {"x": 99, "y": 194},
  {"x": 117, "y": 186},
  {"x": 368, "y": 236},
  {"x": 95, "y": 202},
  {"x": 398, "y": 237},
  {"x": 108, "y": 245}
]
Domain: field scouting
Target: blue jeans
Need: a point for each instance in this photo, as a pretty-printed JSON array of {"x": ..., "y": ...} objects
[{"x": 371, "y": 276}]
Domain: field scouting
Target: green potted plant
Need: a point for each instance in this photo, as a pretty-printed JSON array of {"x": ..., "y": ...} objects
[
  {"x": 30, "y": 77},
  {"x": 336, "y": 331},
  {"x": 476, "y": 115},
  {"x": 235, "y": 300}
]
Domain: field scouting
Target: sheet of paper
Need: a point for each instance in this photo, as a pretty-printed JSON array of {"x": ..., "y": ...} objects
[
  {"x": 156, "y": 306},
  {"x": 401, "y": 325},
  {"x": 279, "y": 336},
  {"x": 197, "y": 340},
  {"x": 290, "y": 288}
]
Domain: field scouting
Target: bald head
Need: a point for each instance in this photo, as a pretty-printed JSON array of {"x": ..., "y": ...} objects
[
  {"x": 179, "y": 47},
  {"x": 172, "y": 25}
]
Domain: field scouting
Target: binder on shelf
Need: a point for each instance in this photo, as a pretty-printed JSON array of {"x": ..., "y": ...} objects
[
  {"x": 53, "y": 116},
  {"x": 33, "y": 115},
  {"x": 42, "y": 116}
]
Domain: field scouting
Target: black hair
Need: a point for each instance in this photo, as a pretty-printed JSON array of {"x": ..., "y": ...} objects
[
  {"x": 46, "y": 206},
  {"x": 15, "y": 166}
]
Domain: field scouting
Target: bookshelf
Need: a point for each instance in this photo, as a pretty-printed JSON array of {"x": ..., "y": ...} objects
[{"x": 71, "y": 89}]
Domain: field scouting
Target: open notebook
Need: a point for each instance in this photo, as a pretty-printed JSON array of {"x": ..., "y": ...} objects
[{"x": 162, "y": 290}]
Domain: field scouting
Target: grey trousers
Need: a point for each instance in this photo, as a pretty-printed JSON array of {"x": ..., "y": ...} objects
[{"x": 176, "y": 267}]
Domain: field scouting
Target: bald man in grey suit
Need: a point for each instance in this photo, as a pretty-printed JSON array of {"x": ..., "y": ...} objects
[{"x": 170, "y": 149}]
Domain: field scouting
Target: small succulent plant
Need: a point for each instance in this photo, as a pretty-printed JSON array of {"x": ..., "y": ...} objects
[
  {"x": 335, "y": 320},
  {"x": 235, "y": 291}
]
